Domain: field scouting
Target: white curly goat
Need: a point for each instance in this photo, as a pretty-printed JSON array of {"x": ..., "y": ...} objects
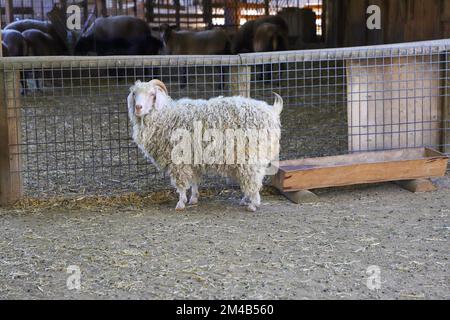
[{"x": 173, "y": 135}]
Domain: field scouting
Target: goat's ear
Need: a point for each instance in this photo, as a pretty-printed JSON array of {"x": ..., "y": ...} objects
[
  {"x": 160, "y": 99},
  {"x": 130, "y": 101}
]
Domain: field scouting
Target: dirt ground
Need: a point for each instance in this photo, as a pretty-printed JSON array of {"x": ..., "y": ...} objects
[{"x": 217, "y": 250}]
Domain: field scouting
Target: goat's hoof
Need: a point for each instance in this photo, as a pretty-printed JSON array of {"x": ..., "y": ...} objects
[
  {"x": 251, "y": 208},
  {"x": 243, "y": 202},
  {"x": 180, "y": 207},
  {"x": 193, "y": 201}
]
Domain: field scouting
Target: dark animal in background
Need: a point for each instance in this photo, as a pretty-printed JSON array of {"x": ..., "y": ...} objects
[
  {"x": 15, "y": 42},
  {"x": 41, "y": 43},
  {"x": 118, "y": 35},
  {"x": 43, "y": 26},
  {"x": 269, "y": 37},
  {"x": 5, "y": 52},
  {"x": 209, "y": 42},
  {"x": 16, "y": 47},
  {"x": 263, "y": 35},
  {"x": 244, "y": 39}
]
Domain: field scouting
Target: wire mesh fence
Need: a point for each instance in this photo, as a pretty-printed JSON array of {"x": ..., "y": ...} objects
[{"x": 65, "y": 126}]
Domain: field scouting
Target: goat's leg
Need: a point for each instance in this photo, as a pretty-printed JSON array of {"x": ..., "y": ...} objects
[
  {"x": 182, "y": 179},
  {"x": 251, "y": 185},
  {"x": 244, "y": 200},
  {"x": 254, "y": 201},
  {"x": 194, "y": 194},
  {"x": 181, "y": 204}
]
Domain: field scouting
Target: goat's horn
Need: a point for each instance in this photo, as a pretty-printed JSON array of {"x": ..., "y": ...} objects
[{"x": 160, "y": 84}]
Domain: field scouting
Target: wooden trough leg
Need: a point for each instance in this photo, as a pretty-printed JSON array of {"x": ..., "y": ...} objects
[
  {"x": 301, "y": 196},
  {"x": 417, "y": 185}
]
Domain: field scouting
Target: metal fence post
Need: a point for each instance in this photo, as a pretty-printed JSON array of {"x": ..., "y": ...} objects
[{"x": 10, "y": 137}]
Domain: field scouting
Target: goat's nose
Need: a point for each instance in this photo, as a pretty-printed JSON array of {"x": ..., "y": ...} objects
[{"x": 138, "y": 107}]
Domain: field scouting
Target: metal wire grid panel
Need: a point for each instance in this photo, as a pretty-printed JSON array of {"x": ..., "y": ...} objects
[{"x": 68, "y": 126}]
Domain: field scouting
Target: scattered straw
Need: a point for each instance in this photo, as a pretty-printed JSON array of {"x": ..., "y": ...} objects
[{"x": 132, "y": 199}]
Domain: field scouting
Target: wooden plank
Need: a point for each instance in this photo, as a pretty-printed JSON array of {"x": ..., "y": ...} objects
[
  {"x": 393, "y": 103},
  {"x": 167, "y": 6},
  {"x": 173, "y": 16},
  {"x": 101, "y": 8},
  {"x": 361, "y": 157},
  {"x": 207, "y": 13},
  {"x": 10, "y": 138},
  {"x": 20, "y": 11},
  {"x": 417, "y": 185},
  {"x": 177, "y": 13},
  {"x": 149, "y": 10},
  {"x": 266, "y": 7},
  {"x": 371, "y": 167},
  {"x": 114, "y": 9},
  {"x": 355, "y": 27},
  {"x": 1, "y": 46}
]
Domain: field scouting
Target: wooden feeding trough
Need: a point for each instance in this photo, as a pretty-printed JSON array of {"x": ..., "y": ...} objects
[{"x": 411, "y": 168}]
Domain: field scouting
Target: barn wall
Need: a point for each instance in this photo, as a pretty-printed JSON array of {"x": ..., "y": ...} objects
[{"x": 401, "y": 21}]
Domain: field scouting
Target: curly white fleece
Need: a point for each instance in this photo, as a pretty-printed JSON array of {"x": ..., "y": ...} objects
[{"x": 153, "y": 133}]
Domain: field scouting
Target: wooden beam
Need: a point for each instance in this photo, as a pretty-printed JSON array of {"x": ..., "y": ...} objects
[
  {"x": 207, "y": 13},
  {"x": 10, "y": 138},
  {"x": 149, "y": 7},
  {"x": 177, "y": 13},
  {"x": 266, "y": 7},
  {"x": 301, "y": 196},
  {"x": 417, "y": 185},
  {"x": 114, "y": 7},
  {"x": 1, "y": 46},
  {"x": 101, "y": 8},
  {"x": 9, "y": 11}
]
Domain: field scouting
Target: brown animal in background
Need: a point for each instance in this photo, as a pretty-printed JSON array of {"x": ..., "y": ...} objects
[
  {"x": 209, "y": 42},
  {"x": 195, "y": 42},
  {"x": 269, "y": 37},
  {"x": 244, "y": 40},
  {"x": 5, "y": 52}
]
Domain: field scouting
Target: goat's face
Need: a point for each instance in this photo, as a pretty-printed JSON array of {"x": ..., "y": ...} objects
[{"x": 145, "y": 97}]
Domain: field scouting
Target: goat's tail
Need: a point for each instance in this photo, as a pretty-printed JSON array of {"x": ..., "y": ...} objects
[{"x": 278, "y": 103}]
